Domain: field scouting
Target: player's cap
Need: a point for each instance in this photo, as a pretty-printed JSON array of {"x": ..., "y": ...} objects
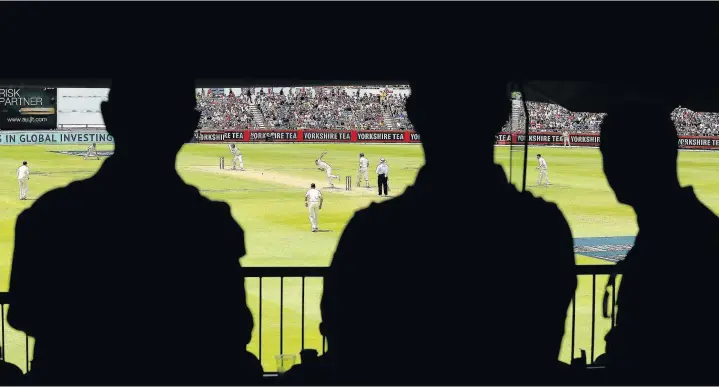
[
  {"x": 361, "y": 154},
  {"x": 312, "y": 185},
  {"x": 24, "y": 163}
]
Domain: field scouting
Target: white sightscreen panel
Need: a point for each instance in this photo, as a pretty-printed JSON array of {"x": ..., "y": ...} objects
[{"x": 80, "y": 106}]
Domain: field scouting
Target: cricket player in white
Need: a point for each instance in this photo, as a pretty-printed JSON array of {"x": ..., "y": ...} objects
[
  {"x": 565, "y": 134},
  {"x": 542, "y": 168},
  {"x": 23, "y": 175},
  {"x": 323, "y": 166},
  {"x": 236, "y": 157},
  {"x": 363, "y": 170},
  {"x": 91, "y": 152},
  {"x": 313, "y": 202}
]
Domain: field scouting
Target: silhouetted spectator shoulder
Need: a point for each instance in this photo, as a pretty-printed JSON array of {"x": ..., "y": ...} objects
[
  {"x": 29, "y": 273},
  {"x": 229, "y": 228},
  {"x": 201, "y": 269},
  {"x": 452, "y": 271},
  {"x": 319, "y": 371},
  {"x": 552, "y": 237},
  {"x": 128, "y": 263},
  {"x": 10, "y": 375}
]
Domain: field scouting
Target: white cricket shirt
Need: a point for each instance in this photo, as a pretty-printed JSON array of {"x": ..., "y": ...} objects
[
  {"x": 383, "y": 169},
  {"x": 542, "y": 163},
  {"x": 323, "y": 165},
  {"x": 313, "y": 195},
  {"x": 23, "y": 172},
  {"x": 364, "y": 163}
]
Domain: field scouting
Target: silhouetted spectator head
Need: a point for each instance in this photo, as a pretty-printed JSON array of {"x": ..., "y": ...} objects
[
  {"x": 601, "y": 360},
  {"x": 639, "y": 151},
  {"x": 434, "y": 113},
  {"x": 308, "y": 355},
  {"x": 131, "y": 114},
  {"x": 312, "y": 185}
]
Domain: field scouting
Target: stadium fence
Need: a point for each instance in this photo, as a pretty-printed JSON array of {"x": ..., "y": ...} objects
[{"x": 303, "y": 273}]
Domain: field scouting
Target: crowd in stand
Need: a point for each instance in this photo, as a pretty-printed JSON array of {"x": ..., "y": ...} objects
[
  {"x": 691, "y": 123},
  {"x": 551, "y": 118},
  {"x": 222, "y": 112},
  {"x": 305, "y": 108},
  {"x": 336, "y": 108},
  {"x": 395, "y": 106}
]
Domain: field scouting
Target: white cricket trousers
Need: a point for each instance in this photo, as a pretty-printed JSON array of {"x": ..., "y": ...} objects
[
  {"x": 566, "y": 141},
  {"x": 313, "y": 208},
  {"x": 542, "y": 176},
  {"x": 23, "y": 188},
  {"x": 237, "y": 160},
  {"x": 363, "y": 174},
  {"x": 330, "y": 176}
]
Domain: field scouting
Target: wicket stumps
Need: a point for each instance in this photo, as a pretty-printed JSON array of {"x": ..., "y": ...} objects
[
  {"x": 222, "y": 163},
  {"x": 348, "y": 183}
]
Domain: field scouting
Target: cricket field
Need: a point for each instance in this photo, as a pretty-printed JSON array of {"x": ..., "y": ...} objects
[{"x": 268, "y": 201}]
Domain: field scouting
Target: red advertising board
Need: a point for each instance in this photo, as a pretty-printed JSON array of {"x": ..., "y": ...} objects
[
  {"x": 309, "y": 135},
  {"x": 326, "y": 135},
  {"x": 592, "y": 140},
  {"x": 398, "y": 136}
]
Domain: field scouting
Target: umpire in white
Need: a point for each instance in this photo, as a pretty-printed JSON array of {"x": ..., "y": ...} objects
[{"x": 382, "y": 176}]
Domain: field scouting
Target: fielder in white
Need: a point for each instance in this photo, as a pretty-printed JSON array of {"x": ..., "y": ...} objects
[
  {"x": 23, "y": 175},
  {"x": 363, "y": 170},
  {"x": 236, "y": 157},
  {"x": 565, "y": 134},
  {"x": 313, "y": 202},
  {"x": 323, "y": 166},
  {"x": 91, "y": 152},
  {"x": 542, "y": 168}
]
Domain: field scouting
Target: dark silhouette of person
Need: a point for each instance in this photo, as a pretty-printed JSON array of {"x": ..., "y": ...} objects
[
  {"x": 10, "y": 374},
  {"x": 312, "y": 370},
  {"x": 155, "y": 293},
  {"x": 467, "y": 283},
  {"x": 665, "y": 332}
]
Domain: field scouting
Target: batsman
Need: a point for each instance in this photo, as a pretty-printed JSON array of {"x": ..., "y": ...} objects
[
  {"x": 363, "y": 170},
  {"x": 236, "y": 157}
]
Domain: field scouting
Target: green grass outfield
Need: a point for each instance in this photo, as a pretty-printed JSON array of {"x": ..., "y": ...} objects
[{"x": 268, "y": 201}]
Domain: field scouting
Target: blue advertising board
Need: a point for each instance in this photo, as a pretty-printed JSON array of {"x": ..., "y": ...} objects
[{"x": 54, "y": 137}]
